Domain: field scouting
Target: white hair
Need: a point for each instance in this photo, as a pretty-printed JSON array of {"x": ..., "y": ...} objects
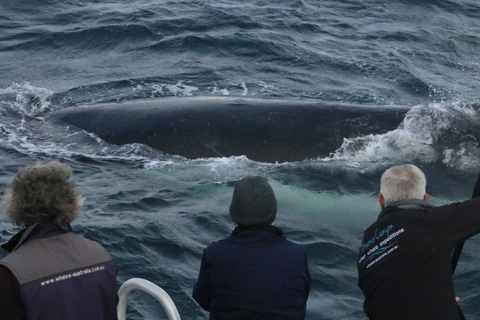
[{"x": 403, "y": 182}]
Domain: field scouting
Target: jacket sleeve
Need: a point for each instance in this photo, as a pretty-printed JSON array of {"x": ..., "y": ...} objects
[
  {"x": 202, "y": 289},
  {"x": 476, "y": 189},
  {"x": 308, "y": 278},
  {"x": 457, "y": 222},
  {"x": 10, "y": 296}
]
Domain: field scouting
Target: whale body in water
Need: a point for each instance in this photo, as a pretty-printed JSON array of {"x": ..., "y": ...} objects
[{"x": 262, "y": 129}]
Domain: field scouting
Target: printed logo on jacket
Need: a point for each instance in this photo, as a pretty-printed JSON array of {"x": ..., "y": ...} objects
[{"x": 380, "y": 245}]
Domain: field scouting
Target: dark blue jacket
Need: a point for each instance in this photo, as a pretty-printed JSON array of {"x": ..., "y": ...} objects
[
  {"x": 253, "y": 275},
  {"x": 61, "y": 275}
]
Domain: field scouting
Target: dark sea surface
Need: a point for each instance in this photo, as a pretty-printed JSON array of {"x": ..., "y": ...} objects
[{"x": 155, "y": 212}]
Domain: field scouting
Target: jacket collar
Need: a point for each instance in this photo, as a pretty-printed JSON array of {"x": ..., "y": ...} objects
[
  {"x": 268, "y": 228},
  {"x": 42, "y": 229},
  {"x": 413, "y": 204}
]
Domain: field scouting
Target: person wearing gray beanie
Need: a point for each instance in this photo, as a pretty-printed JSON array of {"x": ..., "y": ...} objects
[
  {"x": 255, "y": 272},
  {"x": 253, "y": 202}
]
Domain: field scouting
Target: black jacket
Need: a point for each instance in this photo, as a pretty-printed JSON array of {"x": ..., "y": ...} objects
[{"x": 404, "y": 262}]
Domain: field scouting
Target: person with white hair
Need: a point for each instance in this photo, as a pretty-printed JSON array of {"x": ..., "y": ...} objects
[
  {"x": 50, "y": 272},
  {"x": 404, "y": 262}
]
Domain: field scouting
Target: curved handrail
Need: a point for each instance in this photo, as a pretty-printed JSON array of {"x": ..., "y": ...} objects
[{"x": 150, "y": 288}]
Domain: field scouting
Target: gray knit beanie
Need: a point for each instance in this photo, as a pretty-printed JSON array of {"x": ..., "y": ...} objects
[{"x": 253, "y": 202}]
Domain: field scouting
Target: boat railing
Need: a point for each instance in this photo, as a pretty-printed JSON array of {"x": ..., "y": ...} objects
[{"x": 150, "y": 288}]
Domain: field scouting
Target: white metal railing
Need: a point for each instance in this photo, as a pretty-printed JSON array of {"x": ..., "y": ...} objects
[{"x": 150, "y": 288}]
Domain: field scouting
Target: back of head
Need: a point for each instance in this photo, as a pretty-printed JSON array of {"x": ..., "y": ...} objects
[
  {"x": 253, "y": 202},
  {"x": 43, "y": 192},
  {"x": 403, "y": 182}
]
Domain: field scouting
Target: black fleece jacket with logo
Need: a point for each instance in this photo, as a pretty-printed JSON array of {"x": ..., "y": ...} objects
[{"x": 404, "y": 261}]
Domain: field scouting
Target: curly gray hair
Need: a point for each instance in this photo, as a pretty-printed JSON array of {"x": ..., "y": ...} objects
[{"x": 43, "y": 192}]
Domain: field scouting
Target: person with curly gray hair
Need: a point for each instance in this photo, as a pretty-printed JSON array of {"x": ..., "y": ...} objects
[{"x": 50, "y": 272}]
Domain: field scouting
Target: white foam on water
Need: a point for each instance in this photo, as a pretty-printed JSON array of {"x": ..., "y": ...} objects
[
  {"x": 208, "y": 170},
  {"x": 245, "y": 89},
  {"x": 28, "y": 99},
  {"x": 442, "y": 132},
  {"x": 181, "y": 89},
  {"x": 216, "y": 90}
]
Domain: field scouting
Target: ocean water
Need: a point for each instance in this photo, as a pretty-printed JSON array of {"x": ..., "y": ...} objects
[{"x": 155, "y": 212}]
